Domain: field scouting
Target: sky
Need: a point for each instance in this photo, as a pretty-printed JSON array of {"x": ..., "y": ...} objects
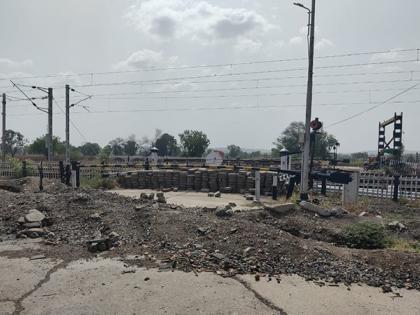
[{"x": 236, "y": 70}]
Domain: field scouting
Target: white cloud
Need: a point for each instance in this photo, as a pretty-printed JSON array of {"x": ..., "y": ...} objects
[
  {"x": 196, "y": 20},
  {"x": 145, "y": 58},
  {"x": 8, "y": 63},
  {"x": 248, "y": 46},
  {"x": 323, "y": 43},
  {"x": 296, "y": 40}
]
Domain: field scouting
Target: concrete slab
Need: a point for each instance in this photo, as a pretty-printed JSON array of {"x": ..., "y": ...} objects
[
  {"x": 196, "y": 199},
  {"x": 21, "y": 275},
  {"x": 297, "y": 296},
  {"x": 99, "y": 287},
  {"x": 7, "y": 308}
]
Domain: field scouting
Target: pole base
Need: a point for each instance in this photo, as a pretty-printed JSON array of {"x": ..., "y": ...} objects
[{"x": 304, "y": 196}]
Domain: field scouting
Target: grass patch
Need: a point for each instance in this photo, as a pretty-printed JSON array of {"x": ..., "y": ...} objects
[
  {"x": 403, "y": 245},
  {"x": 98, "y": 183},
  {"x": 365, "y": 235}
]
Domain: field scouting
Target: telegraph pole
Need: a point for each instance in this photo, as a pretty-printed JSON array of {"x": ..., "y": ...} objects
[
  {"x": 304, "y": 184},
  {"x": 67, "y": 123},
  {"x": 3, "y": 134},
  {"x": 50, "y": 125}
]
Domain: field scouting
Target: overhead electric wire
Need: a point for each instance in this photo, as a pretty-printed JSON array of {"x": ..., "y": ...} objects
[
  {"x": 214, "y": 75},
  {"x": 73, "y": 124},
  {"x": 28, "y": 98},
  {"x": 232, "y": 107},
  {"x": 375, "y": 106},
  {"x": 210, "y": 66}
]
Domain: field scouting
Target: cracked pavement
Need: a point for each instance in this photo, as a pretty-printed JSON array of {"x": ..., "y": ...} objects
[{"x": 37, "y": 285}]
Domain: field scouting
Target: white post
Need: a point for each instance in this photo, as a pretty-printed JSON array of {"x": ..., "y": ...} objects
[
  {"x": 351, "y": 190},
  {"x": 257, "y": 186},
  {"x": 73, "y": 178},
  {"x": 284, "y": 160}
]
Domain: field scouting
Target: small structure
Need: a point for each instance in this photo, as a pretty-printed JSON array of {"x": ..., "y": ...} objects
[
  {"x": 285, "y": 161},
  {"x": 153, "y": 157},
  {"x": 215, "y": 158}
]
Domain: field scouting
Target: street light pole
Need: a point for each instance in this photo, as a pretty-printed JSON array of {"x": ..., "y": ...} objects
[{"x": 304, "y": 184}]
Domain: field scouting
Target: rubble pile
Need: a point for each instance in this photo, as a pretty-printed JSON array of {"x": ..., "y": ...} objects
[{"x": 271, "y": 242}]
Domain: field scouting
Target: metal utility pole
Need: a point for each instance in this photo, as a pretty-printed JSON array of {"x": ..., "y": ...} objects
[
  {"x": 306, "y": 146},
  {"x": 50, "y": 125},
  {"x": 67, "y": 123},
  {"x": 3, "y": 134}
]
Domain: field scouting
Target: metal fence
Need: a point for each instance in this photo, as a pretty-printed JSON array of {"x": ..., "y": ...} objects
[
  {"x": 372, "y": 184},
  {"x": 379, "y": 185}
]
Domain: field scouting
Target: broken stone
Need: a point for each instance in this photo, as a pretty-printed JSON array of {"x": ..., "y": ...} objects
[
  {"x": 34, "y": 232},
  {"x": 217, "y": 194},
  {"x": 32, "y": 225},
  {"x": 34, "y": 216},
  {"x": 98, "y": 245},
  {"x": 160, "y": 194},
  {"x": 247, "y": 250},
  {"x": 280, "y": 209},
  {"x": 210, "y": 194},
  {"x": 339, "y": 212},
  {"x": 316, "y": 209},
  {"x": 249, "y": 197},
  {"x": 223, "y": 211},
  {"x": 95, "y": 216},
  {"x": 219, "y": 256},
  {"x": 21, "y": 220},
  {"x": 397, "y": 226},
  {"x": 151, "y": 196},
  {"x": 141, "y": 207},
  {"x": 202, "y": 230},
  {"x": 232, "y": 204}
]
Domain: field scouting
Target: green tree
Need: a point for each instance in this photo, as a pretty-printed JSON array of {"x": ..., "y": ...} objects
[
  {"x": 105, "y": 152},
  {"x": 194, "y": 143},
  {"x": 130, "y": 146},
  {"x": 289, "y": 139},
  {"x": 167, "y": 145},
  {"x": 38, "y": 146},
  {"x": 14, "y": 142},
  {"x": 234, "y": 151},
  {"x": 90, "y": 149},
  {"x": 117, "y": 146}
]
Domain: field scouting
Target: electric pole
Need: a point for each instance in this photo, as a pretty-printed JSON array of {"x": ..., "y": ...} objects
[
  {"x": 50, "y": 125},
  {"x": 304, "y": 184},
  {"x": 3, "y": 134},
  {"x": 67, "y": 123}
]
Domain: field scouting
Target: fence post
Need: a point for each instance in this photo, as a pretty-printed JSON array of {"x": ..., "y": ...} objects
[
  {"x": 257, "y": 186},
  {"x": 61, "y": 168},
  {"x": 41, "y": 176},
  {"x": 351, "y": 190},
  {"x": 24, "y": 169},
  {"x": 75, "y": 174},
  {"x": 396, "y": 185},
  {"x": 324, "y": 187},
  {"x": 68, "y": 174}
]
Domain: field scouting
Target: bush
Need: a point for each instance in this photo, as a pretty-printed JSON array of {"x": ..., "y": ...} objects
[
  {"x": 366, "y": 235},
  {"x": 98, "y": 183},
  {"x": 16, "y": 166}
]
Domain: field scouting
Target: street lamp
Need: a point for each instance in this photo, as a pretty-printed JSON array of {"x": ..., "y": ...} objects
[{"x": 306, "y": 146}]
